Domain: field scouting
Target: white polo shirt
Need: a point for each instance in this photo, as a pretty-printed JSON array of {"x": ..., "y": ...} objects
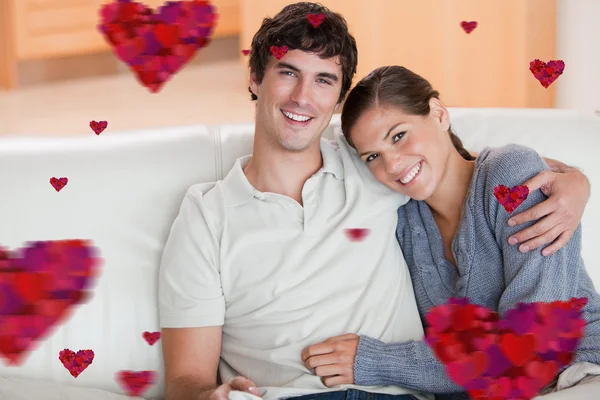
[{"x": 280, "y": 277}]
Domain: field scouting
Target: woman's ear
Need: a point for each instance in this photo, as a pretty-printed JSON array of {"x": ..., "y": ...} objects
[{"x": 440, "y": 113}]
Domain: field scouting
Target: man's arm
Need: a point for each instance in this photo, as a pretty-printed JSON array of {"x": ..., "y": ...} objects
[
  {"x": 192, "y": 305},
  {"x": 191, "y": 357},
  {"x": 568, "y": 191}
]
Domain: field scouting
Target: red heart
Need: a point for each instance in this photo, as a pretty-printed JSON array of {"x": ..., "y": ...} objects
[
  {"x": 511, "y": 198},
  {"x": 151, "y": 337},
  {"x": 356, "y": 234},
  {"x": 279, "y": 52},
  {"x": 59, "y": 183},
  {"x": 245, "y": 52},
  {"x": 468, "y": 26},
  {"x": 98, "y": 127},
  {"x": 76, "y": 363},
  {"x": 467, "y": 368},
  {"x": 135, "y": 383},
  {"x": 147, "y": 40},
  {"x": 40, "y": 285},
  {"x": 546, "y": 73},
  {"x": 509, "y": 365},
  {"x": 315, "y": 19},
  {"x": 518, "y": 349}
]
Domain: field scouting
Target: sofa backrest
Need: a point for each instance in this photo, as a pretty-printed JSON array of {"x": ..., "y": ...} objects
[{"x": 124, "y": 191}]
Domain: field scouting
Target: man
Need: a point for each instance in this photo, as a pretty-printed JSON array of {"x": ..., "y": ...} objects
[{"x": 259, "y": 266}]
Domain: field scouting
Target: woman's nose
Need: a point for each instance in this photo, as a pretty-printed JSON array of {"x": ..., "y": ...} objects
[{"x": 393, "y": 164}]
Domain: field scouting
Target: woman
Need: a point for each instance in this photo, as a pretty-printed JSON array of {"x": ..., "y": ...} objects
[{"x": 453, "y": 233}]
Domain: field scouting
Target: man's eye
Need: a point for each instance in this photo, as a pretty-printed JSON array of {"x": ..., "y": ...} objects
[
  {"x": 289, "y": 73},
  {"x": 325, "y": 81}
]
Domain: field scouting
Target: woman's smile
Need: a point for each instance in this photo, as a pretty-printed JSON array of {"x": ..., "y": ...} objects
[{"x": 413, "y": 176}]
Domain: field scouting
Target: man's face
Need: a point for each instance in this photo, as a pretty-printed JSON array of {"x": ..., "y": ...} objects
[{"x": 296, "y": 99}]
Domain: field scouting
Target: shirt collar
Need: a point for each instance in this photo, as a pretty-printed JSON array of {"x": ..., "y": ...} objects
[{"x": 237, "y": 190}]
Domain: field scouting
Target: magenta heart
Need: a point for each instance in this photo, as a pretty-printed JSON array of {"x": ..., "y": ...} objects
[
  {"x": 151, "y": 337},
  {"x": 76, "y": 363},
  {"x": 136, "y": 382},
  {"x": 39, "y": 287},
  {"x": 279, "y": 52},
  {"x": 513, "y": 357},
  {"x": 59, "y": 183},
  {"x": 546, "y": 73},
  {"x": 468, "y": 26},
  {"x": 98, "y": 127},
  {"x": 145, "y": 39},
  {"x": 511, "y": 198},
  {"x": 315, "y": 19}
]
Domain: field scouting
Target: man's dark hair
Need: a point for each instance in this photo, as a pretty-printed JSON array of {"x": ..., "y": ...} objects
[{"x": 291, "y": 28}]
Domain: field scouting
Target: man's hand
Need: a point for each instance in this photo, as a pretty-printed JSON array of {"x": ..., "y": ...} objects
[
  {"x": 333, "y": 359},
  {"x": 568, "y": 194},
  {"x": 238, "y": 383}
]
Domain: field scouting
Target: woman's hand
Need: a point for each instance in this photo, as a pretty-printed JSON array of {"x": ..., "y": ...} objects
[
  {"x": 568, "y": 194},
  {"x": 333, "y": 359}
]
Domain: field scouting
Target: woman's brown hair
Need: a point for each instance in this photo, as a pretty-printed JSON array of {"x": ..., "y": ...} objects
[
  {"x": 291, "y": 28},
  {"x": 397, "y": 87}
]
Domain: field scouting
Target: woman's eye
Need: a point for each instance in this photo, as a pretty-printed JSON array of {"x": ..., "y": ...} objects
[
  {"x": 397, "y": 136},
  {"x": 370, "y": 158}
]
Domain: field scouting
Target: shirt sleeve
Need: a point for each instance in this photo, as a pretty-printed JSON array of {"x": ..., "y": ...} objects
[
  {"x": 189, "y": 284},
  {"x": 410, "y": 364},
  {"x": 528, "y": 277}
]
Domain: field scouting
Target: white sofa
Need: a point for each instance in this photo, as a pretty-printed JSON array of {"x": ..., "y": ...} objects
[{"x": 124, "y": 192}]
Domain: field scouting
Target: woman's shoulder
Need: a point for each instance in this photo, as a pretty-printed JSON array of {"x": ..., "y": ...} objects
[{"x": 509, "y": 165}]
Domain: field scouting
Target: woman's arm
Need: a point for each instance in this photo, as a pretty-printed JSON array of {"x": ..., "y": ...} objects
[
  {"x": 529, "y": 277},
  {"x": 362, "y": 360}
]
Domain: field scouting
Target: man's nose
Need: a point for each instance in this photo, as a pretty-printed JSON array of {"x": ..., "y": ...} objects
[{"x": 302, "y": 93}]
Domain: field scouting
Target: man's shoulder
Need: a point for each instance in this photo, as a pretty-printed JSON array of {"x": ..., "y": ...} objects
[{"x": 208, "y": 198}]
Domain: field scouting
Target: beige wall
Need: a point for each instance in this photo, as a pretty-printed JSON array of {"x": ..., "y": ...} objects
[
  {"x": 578, "y": 31},
  {"x": 488, "y": 68}
]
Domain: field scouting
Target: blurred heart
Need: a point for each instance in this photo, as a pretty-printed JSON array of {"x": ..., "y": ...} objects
[
  {"x": 136, "y": 383},
  {"x": 315, "y": 19},
  {"x": 510, "y": 357},
  {"x": 40, "y": 285},
  {"x": 151, "y": 337},
  {"x": 98, "y": 127},
  {"x": 468, "y": 26},
  {"x": 356, "y": 234},
  {"x": 511, "y": 198},
  {"x": 59, "y": 183},
  {"x": 279, "y": 52},
  {"x": 76, "y": 363},
  {"x": 546, "y": 73},
  {"x": 145, "y": 40},
  {"x": 245, "y": 52}
]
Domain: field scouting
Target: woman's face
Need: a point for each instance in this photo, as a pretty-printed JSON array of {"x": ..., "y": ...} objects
[{"x": 408, "y": 153}]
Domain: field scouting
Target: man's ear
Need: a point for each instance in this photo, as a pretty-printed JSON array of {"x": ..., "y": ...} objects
[
  {"x": 440, "y": 113},
  {"x": 254, "y": 83}
]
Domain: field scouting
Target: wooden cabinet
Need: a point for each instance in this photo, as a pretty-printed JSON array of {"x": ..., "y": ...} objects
[
  {"x": 487, "y": 68},
  {"x": 41, "y": 29}
]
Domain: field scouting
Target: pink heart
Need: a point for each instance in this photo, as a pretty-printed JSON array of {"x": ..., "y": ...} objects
[
  {"x": 468, "y": 26},
  {"x": 41, "y": 284},
  {"x": 151, "y": 337},
  {"x": 140, "y": 35}
]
